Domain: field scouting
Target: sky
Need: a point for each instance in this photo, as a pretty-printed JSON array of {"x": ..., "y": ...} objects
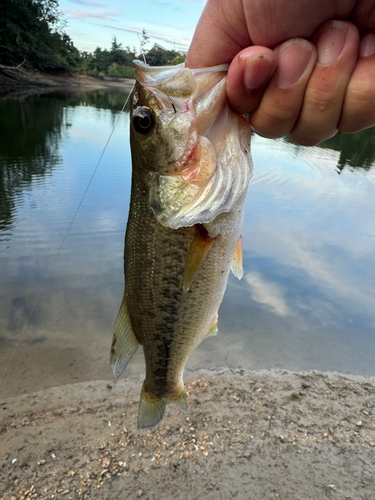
[{"x": 94, "y": 23}]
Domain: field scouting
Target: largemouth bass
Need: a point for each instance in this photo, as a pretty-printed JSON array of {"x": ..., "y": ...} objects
[{"x": 191, "y": 166}]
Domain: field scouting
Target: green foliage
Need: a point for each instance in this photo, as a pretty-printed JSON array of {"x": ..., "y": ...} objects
[
  {"x": 32, "y": 30},
  {"x": 120, "y": 71},
  {"x": 115, "y": 62},
  {"x": 144, "y": 39},
  {"x": 178, "y": 60},
  {"x": 159, "y": 57}
]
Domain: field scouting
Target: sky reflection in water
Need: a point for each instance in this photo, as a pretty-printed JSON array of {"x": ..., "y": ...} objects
[{"x": 307, "y": 297}]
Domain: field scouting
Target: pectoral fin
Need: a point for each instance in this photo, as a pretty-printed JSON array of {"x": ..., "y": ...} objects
[
  {"x": 124, "y": 343},
  {"x": 198, "y": 250},
  {"x": 236, "y": 266}
]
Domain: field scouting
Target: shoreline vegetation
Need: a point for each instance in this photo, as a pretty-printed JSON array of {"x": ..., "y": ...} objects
[{"x": 35, "y": 51}]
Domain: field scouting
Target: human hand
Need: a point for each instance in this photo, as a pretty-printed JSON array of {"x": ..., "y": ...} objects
[{"x": 306, "y": 88}]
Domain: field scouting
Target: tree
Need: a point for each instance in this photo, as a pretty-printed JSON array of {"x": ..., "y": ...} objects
[
  {"x": 32, "y": 30},
  {"x": 143, "y": 40},
  {"x": 116, "y": 51},
  {"x": 160, "y": 57}
]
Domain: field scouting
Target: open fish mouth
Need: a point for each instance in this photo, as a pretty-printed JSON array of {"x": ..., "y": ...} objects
[{"x": 187, "y": 158}]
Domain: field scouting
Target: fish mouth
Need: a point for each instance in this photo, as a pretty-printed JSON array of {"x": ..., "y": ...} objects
[
  {"x": 186, "y": 162},
  {"x": 187, "y": 158}
]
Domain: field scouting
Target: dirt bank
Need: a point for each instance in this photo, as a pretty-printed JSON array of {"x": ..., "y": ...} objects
[
  {"x": 246, "y": 435},
  {"x": 14, "y": 78}
]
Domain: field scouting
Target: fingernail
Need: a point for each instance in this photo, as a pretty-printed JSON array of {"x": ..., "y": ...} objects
[
  {"x": 367, "y": 45},
  {"x": 258, "y": 69},
  {"x": 294, "y": 57},
  {"x": 331, "y": 41}
]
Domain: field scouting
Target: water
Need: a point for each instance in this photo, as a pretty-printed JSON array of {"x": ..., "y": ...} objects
[{"x": 307, "y": 297}]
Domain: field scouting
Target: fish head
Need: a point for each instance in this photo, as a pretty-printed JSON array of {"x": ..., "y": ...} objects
[
  {"x": 187, "y": 144},
  {"x": 161, "y": 127}
]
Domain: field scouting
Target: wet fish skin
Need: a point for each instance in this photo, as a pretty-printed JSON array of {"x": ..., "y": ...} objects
[{"x": 184, "y": 225}]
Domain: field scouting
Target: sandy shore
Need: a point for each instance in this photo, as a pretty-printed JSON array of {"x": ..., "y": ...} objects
[{"x": 258, "y": 435}]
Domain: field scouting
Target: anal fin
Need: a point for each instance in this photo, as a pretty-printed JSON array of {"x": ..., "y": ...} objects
[
  {"x": 198, "y": 250},
  {"x": 213, "y": 328},
  {"x": 151, "y": 410},
  {"x": 124, "y": 343},
  {"x": 236, "y": 265}
]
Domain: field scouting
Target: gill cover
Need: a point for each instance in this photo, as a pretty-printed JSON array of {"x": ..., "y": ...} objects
[{"x": 212, "y": 169}]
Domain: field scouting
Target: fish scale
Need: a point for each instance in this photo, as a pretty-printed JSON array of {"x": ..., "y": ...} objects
[{"x": 175, "y": 277}]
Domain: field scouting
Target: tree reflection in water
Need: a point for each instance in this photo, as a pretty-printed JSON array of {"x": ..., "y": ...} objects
[{"x": 31, "y": 127}]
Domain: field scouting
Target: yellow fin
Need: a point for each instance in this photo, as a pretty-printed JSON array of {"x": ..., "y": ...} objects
[
  {"x": 124, "y": 343},
  {"x": 213, "y": 328},
  {"x": 236, "y": 266},
  {"x": 197, "y": 252},
  {"x": 151, "y": 410}
]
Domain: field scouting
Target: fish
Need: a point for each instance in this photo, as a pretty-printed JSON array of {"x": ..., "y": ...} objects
[{"x": 191, "y": 166}]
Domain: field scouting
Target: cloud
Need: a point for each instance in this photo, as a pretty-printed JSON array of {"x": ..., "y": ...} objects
[
  {"x": 107, "y": 222},
  {"x": 184, "y": 12},
  {"x": 161, "y": 2},
  {"x": 311, "y": 252},
  {"x": 310, "y": 219},
  {"x": 182, "y": 43},
  {"x": 82, "y": 15},
  {"x": 267, "y": 294},
  {"x": 90, "y": 3}
]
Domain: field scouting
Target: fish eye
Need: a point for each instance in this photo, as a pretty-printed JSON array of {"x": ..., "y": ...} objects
[{"x": 143, "y": 120}]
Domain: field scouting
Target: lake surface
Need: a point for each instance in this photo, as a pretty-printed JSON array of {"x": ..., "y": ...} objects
[{"x": 307, "y": 297}]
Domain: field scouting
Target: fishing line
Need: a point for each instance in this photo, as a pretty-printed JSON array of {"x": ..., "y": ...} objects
[{"x": 36, "y": 302}]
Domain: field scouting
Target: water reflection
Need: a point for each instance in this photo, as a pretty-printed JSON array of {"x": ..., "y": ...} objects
[
  {"x": 355, "y": 150},
  {"x": 112, "y": 100},
  {"x": 31, "y": 129},
  {"x": 307, "y": 297}
]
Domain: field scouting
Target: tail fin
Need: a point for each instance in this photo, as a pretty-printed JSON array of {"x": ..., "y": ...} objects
[
  {"x": 151, "y": 410},
  {"x": 124, "y": 343}
]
